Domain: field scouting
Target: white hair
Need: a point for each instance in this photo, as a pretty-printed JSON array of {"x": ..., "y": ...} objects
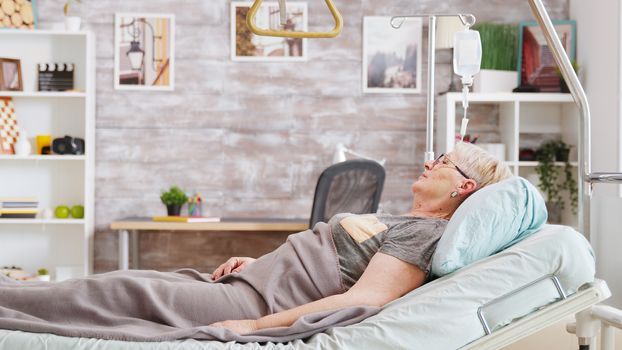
[{"x": 480, "y": 165}]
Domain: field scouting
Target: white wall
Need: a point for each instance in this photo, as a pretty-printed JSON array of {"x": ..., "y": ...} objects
[{"x": 598, "y": 52}]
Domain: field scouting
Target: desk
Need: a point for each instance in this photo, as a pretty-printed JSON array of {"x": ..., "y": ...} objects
[{"x": 131, "y": 226}]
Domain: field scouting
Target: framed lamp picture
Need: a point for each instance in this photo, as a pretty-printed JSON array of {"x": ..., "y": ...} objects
[
  {"x": 391, "y": 57},
  {"x": 10, "y": 75},
  {"x": 246, "y": 46},
  {"x": 536, "y": 65},
  {"x": 144, "y": 57},
  {"x": 18, "y": 14}
]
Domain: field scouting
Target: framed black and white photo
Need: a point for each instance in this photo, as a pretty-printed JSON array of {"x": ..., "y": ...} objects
[
  {"x": 391, "y": 57},
  {"x": 144, "y": 56},
  {"x": 246, "y": 46}
]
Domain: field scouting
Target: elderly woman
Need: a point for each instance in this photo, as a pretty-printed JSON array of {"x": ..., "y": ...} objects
[
  {"x": 382, "y": 257},
  {"x": 353, "y": 260}
]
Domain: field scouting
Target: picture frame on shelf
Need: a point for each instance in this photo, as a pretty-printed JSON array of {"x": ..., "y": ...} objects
[
  {"x": 536, "y": 65},
  {"x": 10, "y": 74},
  {"x": 246, "y": 46},
  {"x": 392, "y": 57},
  {"x": 19, "y": 14},
  {"x": 144, "y": 57}
]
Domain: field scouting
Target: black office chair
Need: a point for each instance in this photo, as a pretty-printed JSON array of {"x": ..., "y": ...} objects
[{"x": 353, "y": 186}]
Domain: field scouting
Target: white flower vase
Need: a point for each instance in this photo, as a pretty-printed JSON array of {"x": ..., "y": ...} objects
[
  {"x": 23, "y": 147},
  {"x": 72, "y": 23}
]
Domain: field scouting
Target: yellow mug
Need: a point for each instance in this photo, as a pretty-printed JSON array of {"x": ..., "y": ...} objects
[{"x": 43, "y": 141}]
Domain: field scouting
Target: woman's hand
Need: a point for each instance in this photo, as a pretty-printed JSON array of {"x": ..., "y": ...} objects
[
  {"x": 235, "y": 264},
  {"x": 238, "y": 326}
]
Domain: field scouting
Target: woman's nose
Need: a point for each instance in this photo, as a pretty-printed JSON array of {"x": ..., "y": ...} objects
[{"x": 428, "y": 165}]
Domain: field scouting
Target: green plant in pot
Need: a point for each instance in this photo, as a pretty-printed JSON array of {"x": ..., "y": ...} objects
[
  {"x": 549, "y": 174},
  {"x": 499, "y": 45},
  {"x": 499, "y": 57},
  {"x": 174, "y": 199}
]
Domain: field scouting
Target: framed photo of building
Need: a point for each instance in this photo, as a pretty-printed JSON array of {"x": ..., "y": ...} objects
[
  {"x": 536, "y": 65},
  {"x": 391, "y": 57},
  {"x": 144, "y": 57},
  {"x": 10, "y": 75},
  {"x": 246, "y": 46}
]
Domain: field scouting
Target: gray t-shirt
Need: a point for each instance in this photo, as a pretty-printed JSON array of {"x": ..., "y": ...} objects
[{"x": 408, "y": 238}]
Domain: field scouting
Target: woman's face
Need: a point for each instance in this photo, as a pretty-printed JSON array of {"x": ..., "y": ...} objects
[{"x": 440, "y": 178}]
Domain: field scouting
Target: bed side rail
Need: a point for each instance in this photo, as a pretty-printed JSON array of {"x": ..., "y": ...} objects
[
  {"x": 481, "y": 311},
  {"x": 544, "y": 317}
]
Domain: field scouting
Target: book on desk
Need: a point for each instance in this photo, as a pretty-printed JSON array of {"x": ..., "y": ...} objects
[{"x": 188, "y": 219}]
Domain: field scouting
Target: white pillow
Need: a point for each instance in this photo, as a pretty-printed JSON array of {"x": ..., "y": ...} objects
[{"x": 490, "y": 220}]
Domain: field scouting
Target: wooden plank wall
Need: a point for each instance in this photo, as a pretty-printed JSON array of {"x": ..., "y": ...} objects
[{"x": 253, "y": 137}]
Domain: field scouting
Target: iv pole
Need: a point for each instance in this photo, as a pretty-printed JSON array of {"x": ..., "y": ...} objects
[{"x": 468, "y": 20}]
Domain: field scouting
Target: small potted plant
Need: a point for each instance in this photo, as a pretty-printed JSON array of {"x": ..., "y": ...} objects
[
  {"x": 174, "y": 199},
  {"x": 499, "y": 57},
  {"x": 72, "y": 23},
  {"x": 43, "y": 275},
  {"x": 549, "y": 176}
]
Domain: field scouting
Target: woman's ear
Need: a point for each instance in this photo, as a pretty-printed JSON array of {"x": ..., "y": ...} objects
[{"x": 467, "y": 187}]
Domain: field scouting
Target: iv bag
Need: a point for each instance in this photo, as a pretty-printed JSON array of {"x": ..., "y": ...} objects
[{"x": 467, "y": 54}]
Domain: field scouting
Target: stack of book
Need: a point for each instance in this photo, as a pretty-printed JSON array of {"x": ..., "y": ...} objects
[{"x": 18, "y": 208}]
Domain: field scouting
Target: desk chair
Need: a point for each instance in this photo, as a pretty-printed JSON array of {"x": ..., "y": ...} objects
[{"x": 353, "y": 186}]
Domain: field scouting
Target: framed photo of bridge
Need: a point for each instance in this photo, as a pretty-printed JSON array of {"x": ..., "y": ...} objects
[{"x": 246, "y": 46}]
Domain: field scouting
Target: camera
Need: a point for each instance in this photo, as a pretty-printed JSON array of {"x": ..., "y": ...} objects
[{"x": 68, "y": 145}]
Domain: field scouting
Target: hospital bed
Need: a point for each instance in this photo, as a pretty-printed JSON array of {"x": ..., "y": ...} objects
[{"x": 532, "y": 278}]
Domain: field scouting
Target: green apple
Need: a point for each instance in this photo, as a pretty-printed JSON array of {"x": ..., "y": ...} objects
[
  {"x": 77, "y": 211},
  {"x": 61, "y": 212}
]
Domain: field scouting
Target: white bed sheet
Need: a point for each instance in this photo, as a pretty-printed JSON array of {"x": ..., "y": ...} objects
[{"x": 440, "y": 315}]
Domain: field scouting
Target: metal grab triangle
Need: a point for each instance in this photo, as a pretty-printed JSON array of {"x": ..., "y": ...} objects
[{"x": 250, "y": 21}]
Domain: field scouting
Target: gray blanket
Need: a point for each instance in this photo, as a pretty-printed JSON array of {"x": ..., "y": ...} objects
[{"x": 156, "y": 306}]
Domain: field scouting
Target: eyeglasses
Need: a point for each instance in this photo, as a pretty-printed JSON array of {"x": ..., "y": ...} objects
[{"x": 444, "y": 160}]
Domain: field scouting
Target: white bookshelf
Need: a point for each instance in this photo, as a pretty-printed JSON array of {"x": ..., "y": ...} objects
[
  {"x": 523, "y": 117},
  {"x": 53, "y": 179}
]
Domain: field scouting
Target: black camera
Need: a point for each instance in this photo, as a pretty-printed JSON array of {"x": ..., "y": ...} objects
[{"x": 68, "y": 145}]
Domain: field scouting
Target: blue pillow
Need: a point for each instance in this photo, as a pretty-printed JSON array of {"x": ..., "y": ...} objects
[{"x": 490, "y": 220}]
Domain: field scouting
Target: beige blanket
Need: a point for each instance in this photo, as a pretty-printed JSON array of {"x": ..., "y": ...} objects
[{"x": 155, "y": 306}]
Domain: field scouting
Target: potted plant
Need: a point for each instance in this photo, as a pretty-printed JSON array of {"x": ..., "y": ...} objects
[
  {"x": 499, "y": 57},
  {"x": 549, "y": 178},
  {"x": 72, "y": 23},
  {"x": 562, "y": 82},
  {"x": 43, "y": 275},
  {"x": 174, "y": 199}
]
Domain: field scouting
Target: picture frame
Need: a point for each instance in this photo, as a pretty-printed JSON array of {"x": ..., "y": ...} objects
[
  {"x": 19, "y": 14},
  {"x": 401, "y": 48},
  {"x": 536, "y": 66},
  {"x": 11, "y": 74},
  {"x": 144, "y": 56},
  {"x": 246, "y": 46}
]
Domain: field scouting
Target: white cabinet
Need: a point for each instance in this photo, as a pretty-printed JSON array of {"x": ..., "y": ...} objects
[
  {"x": 525, "y": 121},
  {"x": 52, "y": 179}
]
